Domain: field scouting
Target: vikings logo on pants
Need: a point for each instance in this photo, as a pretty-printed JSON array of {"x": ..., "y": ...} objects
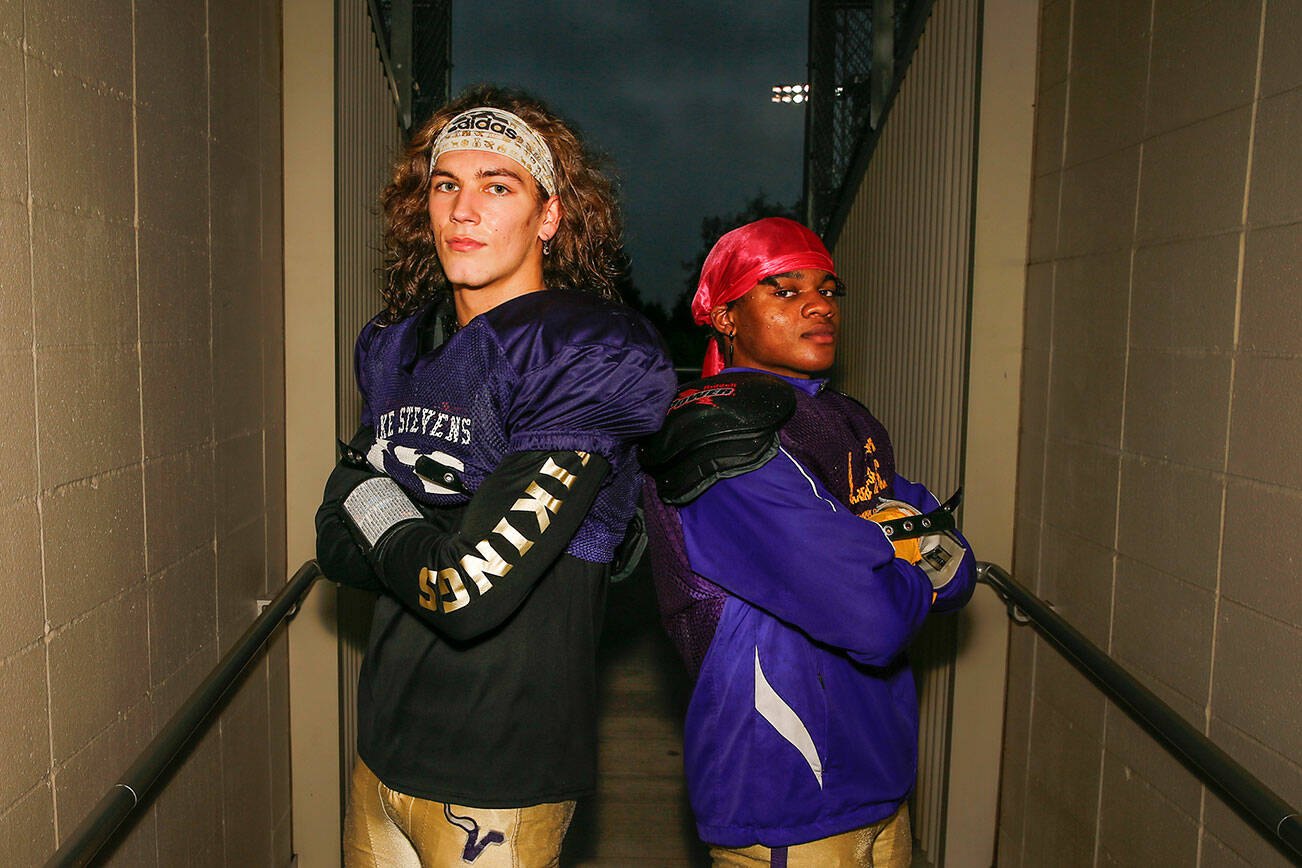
[
  {"x": 388, "y": 829},
  {"x": 474, "y": 844}
]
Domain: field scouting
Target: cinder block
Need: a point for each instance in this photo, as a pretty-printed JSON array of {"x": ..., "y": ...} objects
[
  {"x": 24, "y": 730},
  {"x": 1163, "y": 627},
  {"x": 1135, "y": 749},
  {"x": 237, "y": 346},
  {"x": 241, "y": 579},
  {"x": 1030, "y": 475},
  {"x": 93, "y": 536},
  {"x": 1138, "y": 826},
  {"x": 92, "y": 41},
  {"x": 1091, "y": 299},
  {"x": 1256, "y": 656},
  {"x": 1106, "y": 107},
  {"x": 1055, "y": 836},
  {"x": 246, "y": 772},
  {"x": 189, "y": 809},
  {"x": 13, "y": 118},
  {"x": 1255, "y": 569},
  {"x": 1281, "y": 66},
  {"x": 1050, "y": 122},
  {"x": 11, "y": 21},
  {"x": 88, "y": 400},
  {"x": 178, "y": 506},
  {"x": 182, "y": 612},
  {"x": 1086, "y": 398},
  {"x": 27, "y": 828},
  {"x": 236, "y": 209},
  {"x": 1215, "y": 854},
  {"x": 99, "y": 667},
  {"x": 233, "y": 74},
  {"x": 1276, "y": 191},
  {"x": 1215, "y": 151},
  {"x": 168, "y": 696},
  {"x": 18, "y": 427},
  {"x": 1267, "y": 403},
  {"x": 239, "y": 481},
  {"x": 22, "y": 618},
  {"x": 1170, "y": 519},
  {"x": 1038, "y": 320},
  {"x": 84, "y": 271},
  {"x": 89, "y": 773},
  {"x": 1098, "y": 204},
  {"x": 271, "y": 139},
  {"x": 1204, "y": 61},
  {"x": 171, "y": 60},
  {"x": 1109, "y": 31},
  {"x": 174, "y": 179},
  {"x": 1184, "y": 294},
  {"x": 269, "y": 39},
  {"x": 15, "y": 278},
  {"x": 1176, "y": 407},
  {"x": 1081, "y": 490},
  {"x": 175, "y": 292},
  {"x": 1026, "y": 549},
  {"x": 81, "y": 145},
  {"x": 1042, "y": 243},
  {"x": 176, "y": 387},
  {"x": 1076, "y": 576},
  {"x": 1058, "y": 684},
  {"x": 1054, "y": 48},
  {"x": 1278, "y": 772},
  {"x": 278, "y": 718},
  {"x": 1272, "y": 291},
  {"x": 1065, "y": 758}
]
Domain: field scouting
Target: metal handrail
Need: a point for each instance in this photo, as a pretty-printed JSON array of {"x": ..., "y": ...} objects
[
  {"x": 135, "y": 783},
  {"x": 1239, "y": 788}
]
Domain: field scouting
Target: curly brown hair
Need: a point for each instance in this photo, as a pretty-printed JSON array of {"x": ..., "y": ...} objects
[{"x": 586, "y": 252}]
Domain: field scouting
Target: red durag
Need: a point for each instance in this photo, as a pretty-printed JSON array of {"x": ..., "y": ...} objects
[{"x": 745, "y": 256}]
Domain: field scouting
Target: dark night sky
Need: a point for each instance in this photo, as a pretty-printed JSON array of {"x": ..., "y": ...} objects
[{"x": 676, "y": 95}]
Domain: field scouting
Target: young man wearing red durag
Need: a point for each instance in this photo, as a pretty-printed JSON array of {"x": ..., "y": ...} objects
[{"x": 791, "y": 572}]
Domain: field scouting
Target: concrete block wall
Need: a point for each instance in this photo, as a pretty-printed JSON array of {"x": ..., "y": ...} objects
[
  {"x": 141, "y": 356},
  {"x": 1160, "y": 486}
]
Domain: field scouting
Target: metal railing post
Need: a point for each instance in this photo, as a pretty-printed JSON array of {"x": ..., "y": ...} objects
[
  {"x": 135, "y": 783},
  {"x": 1240, "y": 789}
]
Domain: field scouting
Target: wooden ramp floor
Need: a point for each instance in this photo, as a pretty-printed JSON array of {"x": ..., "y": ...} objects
[{"x": 640, "y": 817}]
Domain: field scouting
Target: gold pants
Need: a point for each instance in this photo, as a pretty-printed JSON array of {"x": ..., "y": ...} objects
[
  {"x": 386, "y": 829},
  {"x": 885, "y": 844}
]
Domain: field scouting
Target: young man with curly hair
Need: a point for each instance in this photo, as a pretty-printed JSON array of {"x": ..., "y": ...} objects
[{"x": 488, "y": 487}]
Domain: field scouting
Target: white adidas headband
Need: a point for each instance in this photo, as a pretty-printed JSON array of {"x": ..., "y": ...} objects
[{"x": 499, "y": 132}]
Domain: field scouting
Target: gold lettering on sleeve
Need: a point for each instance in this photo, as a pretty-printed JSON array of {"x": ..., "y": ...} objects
[
  {"x": 539, "y": 502},
  {"x": 490, "y": 563},
  {"x": 521, "y": 542},
  {"x": 444, "y": 592},
  {"x": 452, "y": 591}
]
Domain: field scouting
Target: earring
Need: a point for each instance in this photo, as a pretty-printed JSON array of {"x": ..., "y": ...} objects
[
  {"x": 731, "y": 336},
  {"x": 547, "y": 246}
]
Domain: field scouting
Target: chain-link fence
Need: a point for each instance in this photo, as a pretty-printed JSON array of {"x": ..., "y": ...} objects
[
  {"x": 415, "y": 38},
  {"x": 856, "y": 50}
]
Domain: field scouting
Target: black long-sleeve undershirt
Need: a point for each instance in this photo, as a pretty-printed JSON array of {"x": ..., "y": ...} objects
[{"x": 468, "y": 579}]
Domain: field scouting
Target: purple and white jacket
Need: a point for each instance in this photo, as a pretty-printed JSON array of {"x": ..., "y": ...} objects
[{"x": 794, "y": 614}]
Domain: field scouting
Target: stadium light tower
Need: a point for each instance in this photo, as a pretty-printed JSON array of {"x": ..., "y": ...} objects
[{"x": 789, "y": 93}]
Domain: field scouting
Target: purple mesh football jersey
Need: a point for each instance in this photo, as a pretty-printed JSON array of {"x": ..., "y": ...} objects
[{"x": 547, "y": 370}]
